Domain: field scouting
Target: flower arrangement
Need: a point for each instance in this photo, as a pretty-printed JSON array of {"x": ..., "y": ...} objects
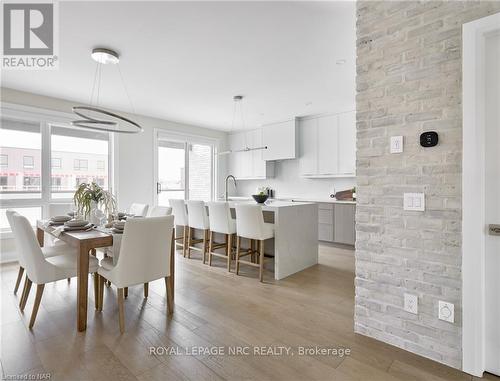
[{"x": 89, "y": 196}]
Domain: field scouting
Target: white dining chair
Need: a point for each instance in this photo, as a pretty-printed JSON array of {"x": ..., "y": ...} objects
[
  {"x": 159, "y": 211},
  {"x": 41, "y": 269},
  {"x": 197, "y": 219},
  {"x": 136, "y": 265},
  {"x": 48, "y": 252},
  {"x": 138, "y": 210},
  {"x": 180, "y": 219},
  {"x": 219, "y": 215},
  {"x": 250, "y": 224}
]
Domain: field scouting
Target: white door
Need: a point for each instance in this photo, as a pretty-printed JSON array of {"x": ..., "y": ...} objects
[
  {"x": 328, "y": 145},
  {"x": 492, "y": 202}
]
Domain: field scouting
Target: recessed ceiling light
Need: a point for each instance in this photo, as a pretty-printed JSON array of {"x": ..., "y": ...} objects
[
  {"x": 308, "y": 103},
  {"x": 105, "y": 56},
  {"x": 341, "y": 62}
]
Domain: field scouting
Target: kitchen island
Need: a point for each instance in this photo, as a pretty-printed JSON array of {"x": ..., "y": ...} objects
[{"x": 295, "y": 245}]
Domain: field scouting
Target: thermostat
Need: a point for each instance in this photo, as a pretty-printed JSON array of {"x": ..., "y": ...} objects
[{"x": 429, "y": 139}]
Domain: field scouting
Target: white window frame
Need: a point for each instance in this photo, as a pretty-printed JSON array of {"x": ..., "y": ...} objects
[
  {"x": 186, "y": 139},
  {"x": 45, "y": 118}
]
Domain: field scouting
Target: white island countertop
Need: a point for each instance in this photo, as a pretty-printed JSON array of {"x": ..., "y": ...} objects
[{"x": 295, "y": 200}]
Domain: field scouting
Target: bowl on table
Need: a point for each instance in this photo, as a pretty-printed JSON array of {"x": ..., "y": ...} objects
[{"x": 260, "y": 198}]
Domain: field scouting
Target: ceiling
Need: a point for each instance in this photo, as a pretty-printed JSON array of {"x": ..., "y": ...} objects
[{"x": 184, "y": 61}]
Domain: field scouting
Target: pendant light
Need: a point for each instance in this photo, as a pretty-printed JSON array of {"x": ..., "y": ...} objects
[
  {"x": 96, "y": 118},
  {"x": 238, "y": 99}
]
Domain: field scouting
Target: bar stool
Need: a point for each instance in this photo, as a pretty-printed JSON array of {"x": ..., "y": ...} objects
[
  {"x": 180, "y": 217},
  {"x": 250, "y": 224},
  {"x": 221, "y": 221},
  {"x": 197, "y": 219}
]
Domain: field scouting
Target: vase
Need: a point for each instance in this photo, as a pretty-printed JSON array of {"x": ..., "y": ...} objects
[{"x": 95, "y": 214}]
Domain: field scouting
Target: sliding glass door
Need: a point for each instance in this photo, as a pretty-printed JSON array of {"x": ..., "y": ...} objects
[{"x": 185, "y": 168}]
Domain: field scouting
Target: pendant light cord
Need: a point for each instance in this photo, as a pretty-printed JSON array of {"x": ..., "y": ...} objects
[{"x": 125, "y": 88}]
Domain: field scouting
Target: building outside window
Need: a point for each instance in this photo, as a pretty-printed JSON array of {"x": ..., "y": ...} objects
[
  {"x": 81, "y": 180},
  {"x": 3, "y": 181},
  {"x": 31, "y": 182},
  {"x": 56, "y": 162},
  {"x": 100, "y": 165},
  {"x": 56, "y": 182},
  {"x": 4, "y": 161},
  {"x": 28, "y": 162},
  {"x": 81, "y": 164}
]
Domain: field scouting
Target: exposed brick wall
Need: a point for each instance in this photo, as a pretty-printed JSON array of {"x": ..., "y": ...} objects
[{"x": 408, "y": 81}]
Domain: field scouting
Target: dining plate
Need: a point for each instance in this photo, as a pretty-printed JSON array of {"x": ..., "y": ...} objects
[
  {"x": 60, "y": 218},
  {"x": 76, "y": 223}
]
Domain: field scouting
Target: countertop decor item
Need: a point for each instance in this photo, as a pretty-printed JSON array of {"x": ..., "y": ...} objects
[
  {"x": 90, "y": 196},
  {"x": 260, "y": 198},
  {"x": 95, "y": 118},
  {"x": 346, "y": 195}
]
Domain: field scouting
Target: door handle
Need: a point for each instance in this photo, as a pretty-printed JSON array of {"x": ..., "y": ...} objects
[
  {"x": 494, "y": 229},
  {"x": 158, "y": 188}
]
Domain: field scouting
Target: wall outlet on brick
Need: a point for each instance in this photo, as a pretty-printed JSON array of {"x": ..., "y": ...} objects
[
  {"x": 411, "y": 303},
  {"x": 446, "y": 311},
  {"x": 414, "y": 201}
]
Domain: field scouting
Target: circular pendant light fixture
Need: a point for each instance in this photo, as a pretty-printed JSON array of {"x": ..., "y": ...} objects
[{"x": 99, "y": 119}]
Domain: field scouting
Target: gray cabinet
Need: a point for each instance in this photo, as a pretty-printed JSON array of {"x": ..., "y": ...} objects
[{"x": 336, "y": 223}]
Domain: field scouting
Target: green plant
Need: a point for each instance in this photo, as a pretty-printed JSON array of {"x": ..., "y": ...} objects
[{"x": 86, "y": 194}]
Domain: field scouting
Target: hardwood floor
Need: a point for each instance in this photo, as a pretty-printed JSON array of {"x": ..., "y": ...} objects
[{"x": 212, "y": 308}]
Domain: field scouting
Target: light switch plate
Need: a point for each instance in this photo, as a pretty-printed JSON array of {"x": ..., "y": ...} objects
[
  {"x": 411, "y": 303},
  {"x": 414, "y": 201},
  {"x": 396, "y": 144},
  {"x": 446, "y": 311}
]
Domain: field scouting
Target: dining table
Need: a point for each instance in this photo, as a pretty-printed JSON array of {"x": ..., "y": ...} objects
[{"x": 86, "y": 242}]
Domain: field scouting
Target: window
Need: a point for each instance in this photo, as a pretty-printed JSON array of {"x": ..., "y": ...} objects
[
  {"x": 99, "y": 181},
  {"x": 3, "y": 181},
  {"x": 4, "y": 161},
  {"x": 55, "y": 182},
  {"x": 185, "y": 169},
  {"x": 21, "y": 145},
  {"x": 31, "y": 182},
  {"x": 28, "y": 162},
  {"x": 80, "y": 152},
  {"x": 81, "y": 165},
  {"x": 56, "y": 162}
]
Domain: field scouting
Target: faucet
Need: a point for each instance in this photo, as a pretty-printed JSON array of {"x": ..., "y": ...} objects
[{"x": 227, "y": 178}]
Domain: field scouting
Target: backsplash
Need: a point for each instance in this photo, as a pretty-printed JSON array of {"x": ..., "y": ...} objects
[{"x": 288, "y": 183}]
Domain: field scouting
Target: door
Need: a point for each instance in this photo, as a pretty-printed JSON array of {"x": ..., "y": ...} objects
[
  {"x": 308, "y": 141},
  {"x": 492, "y": 202},
  {"x": 328, "y": 145},
  {"x": 171, "y": 171}
]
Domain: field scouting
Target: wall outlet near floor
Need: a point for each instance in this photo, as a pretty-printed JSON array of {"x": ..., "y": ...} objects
[
  {"x": 396, "y": 144},
  {"x": 446, "y": 311},
  {"x": 414, "y": 201},
  {"x": 411, "y": 303}
]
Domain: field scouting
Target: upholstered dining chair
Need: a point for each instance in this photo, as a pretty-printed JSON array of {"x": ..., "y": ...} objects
[
  {"x": 159, "y": 211},
  {"x": 50, "y": 251},
  {"x": 138, "y": 210},
  {"x": 155, "y": 234},
  {"x": 40, "y": 269}
]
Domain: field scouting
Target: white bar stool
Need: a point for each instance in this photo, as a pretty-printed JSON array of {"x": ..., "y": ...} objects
[
  {"x": 221, "y": 221},
  {"x": 198, "y": 219},
  {"x": 250, "y": 224},
  {"x": 180, "y": 218}
]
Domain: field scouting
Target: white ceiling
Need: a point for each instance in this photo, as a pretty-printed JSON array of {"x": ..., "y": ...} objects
[{"x": 184, "y": 61}]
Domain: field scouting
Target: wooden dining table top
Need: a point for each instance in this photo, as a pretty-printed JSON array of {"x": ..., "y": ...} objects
[{"x": 75, "y": 237}]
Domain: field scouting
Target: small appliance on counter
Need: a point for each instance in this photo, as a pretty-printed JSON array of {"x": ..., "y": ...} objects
[{"x": 346, "y": 195}]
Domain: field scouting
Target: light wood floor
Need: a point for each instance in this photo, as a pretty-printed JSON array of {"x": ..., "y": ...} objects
[{"x": 213, "y": 308}]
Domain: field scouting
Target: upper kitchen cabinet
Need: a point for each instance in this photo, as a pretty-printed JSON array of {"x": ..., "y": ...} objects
[
  {"x": 328, "y": 146},
  {"x": 347, "y": 143},
  {"x": 248, "y": 165},
  {"x": 281, "y": 140}
]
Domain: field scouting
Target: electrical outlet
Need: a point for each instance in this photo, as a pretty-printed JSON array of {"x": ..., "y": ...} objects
[
  {"x": 396, "y": 144},
  {"x": 446, "y": 311},
  {"x": 411, "y": 303},
  {"x": 414, "y": 201}
]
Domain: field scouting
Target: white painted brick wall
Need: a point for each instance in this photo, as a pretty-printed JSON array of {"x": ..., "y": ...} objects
[{"x": 408, "y": 81}]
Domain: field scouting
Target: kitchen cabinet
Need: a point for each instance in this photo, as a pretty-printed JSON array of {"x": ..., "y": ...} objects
[
  {"x": 308, "y": 138},
  {"x": 336, "y": 223},
  {"x": 281, "y": 140},
  {"x": 248, "y": 165},
  {"x": 328, "y": 146}
]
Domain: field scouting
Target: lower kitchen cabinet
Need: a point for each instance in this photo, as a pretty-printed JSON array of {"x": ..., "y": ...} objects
[{"x": 336, "y": 223}]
